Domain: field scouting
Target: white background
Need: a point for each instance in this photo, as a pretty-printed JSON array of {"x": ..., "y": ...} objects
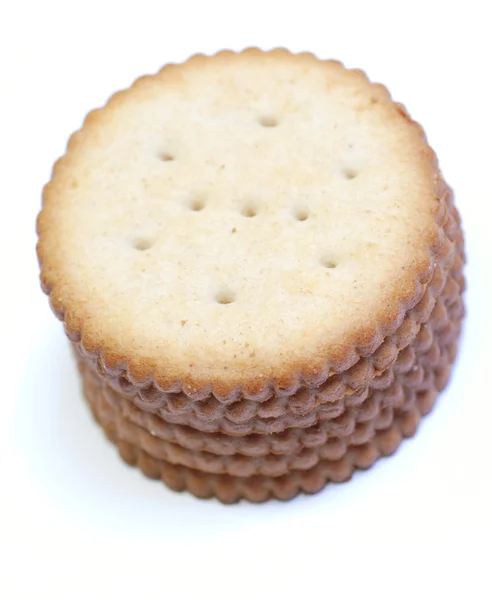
[{"x": 75, "y": 522}]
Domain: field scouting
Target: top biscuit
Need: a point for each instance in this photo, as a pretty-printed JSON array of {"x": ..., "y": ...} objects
[{"x": 240, "y": 221}]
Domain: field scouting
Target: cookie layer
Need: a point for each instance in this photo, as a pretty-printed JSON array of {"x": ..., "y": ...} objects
[{"x": 205, "y": 222}]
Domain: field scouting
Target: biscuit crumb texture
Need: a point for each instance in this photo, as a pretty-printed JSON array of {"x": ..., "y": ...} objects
[{"x": 239, "y": 219}]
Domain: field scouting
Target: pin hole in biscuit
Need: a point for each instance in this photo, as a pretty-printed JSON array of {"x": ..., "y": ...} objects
[
  {"x": 167, "y": 157},
  {"x": 249, "y": 210},
  {"x": 349, "y": 173},
  {"x": 225, "y": 297},
  {"x": 328, "y": 263},
  {"x": 141, "y": 244},
  {"x": 197, "y": 204},
  {"x": 301, "y": 214},
  {"x": 268, "y": 121}
]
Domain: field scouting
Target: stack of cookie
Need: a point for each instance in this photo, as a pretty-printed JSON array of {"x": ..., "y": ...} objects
[{"x": 261, "y": 270}]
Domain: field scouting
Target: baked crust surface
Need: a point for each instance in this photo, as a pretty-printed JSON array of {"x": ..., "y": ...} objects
[{"x": 239, "y": 222}]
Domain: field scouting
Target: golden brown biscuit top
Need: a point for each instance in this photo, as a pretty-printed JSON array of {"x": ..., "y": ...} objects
[{"x": 240, "y": 219}]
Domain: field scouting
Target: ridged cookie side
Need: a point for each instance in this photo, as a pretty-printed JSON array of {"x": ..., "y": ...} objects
[
  {"x": 428, "y": 372},
  {"x": 229, "y": 489}
]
